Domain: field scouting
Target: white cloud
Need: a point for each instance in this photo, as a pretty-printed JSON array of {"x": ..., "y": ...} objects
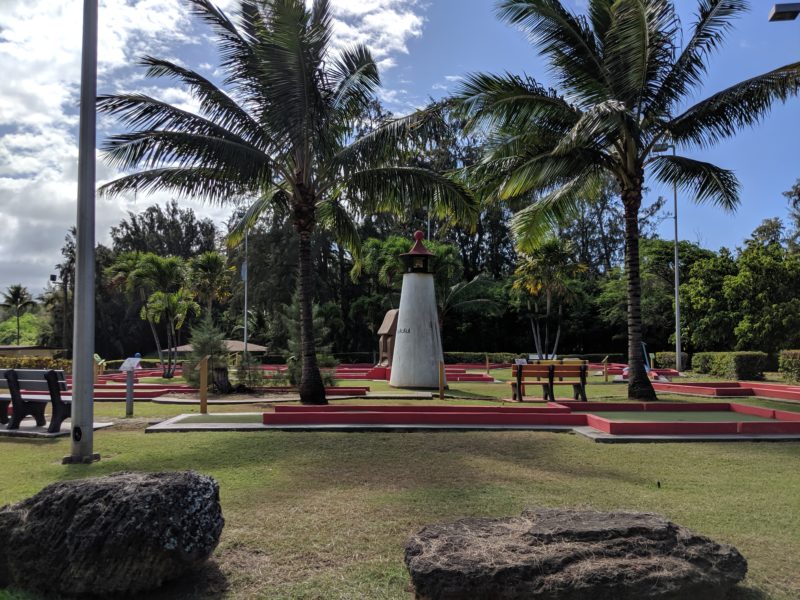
[{"x": 40, "y": 42}]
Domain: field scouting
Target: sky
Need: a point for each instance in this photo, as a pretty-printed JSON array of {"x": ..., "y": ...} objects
[{"x": 423, "y": 47}]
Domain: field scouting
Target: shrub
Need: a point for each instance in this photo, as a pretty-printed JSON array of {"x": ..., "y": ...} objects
[
  {"x": 207, "y": 340},
  {"x": 789, "y": 364},
  {"x": 35, "y": 362},
  {"x": 666, "y": 360},
  {"x": 701, "y": 361},
  {"x": 731, "y": 365},
  {"x": 326, "y": 362},
  {"x": 451, "y": 358},
  {"x": 597, "y": 357}
]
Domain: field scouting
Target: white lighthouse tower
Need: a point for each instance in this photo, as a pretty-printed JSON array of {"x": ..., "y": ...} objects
[{"x": 418, "y": 342}]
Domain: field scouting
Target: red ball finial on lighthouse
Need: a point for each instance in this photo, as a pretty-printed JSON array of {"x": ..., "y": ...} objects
[{"x": 418, "y": 235}]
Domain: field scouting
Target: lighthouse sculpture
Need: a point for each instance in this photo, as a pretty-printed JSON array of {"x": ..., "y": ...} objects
[{"x": 418, "y": 342}]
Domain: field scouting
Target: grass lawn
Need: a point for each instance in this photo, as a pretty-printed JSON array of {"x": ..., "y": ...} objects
[{"x": 325, "y": 515}]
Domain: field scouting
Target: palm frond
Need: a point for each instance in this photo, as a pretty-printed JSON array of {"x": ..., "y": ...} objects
[
  {"x": 334, "y": 217},
  {"x": 274, "y": 196},
  {"x": 508, "y": 100},
  {"x": 392, "y": 139},
  {"x": 708, "y": 182},
  {"x": 397, "y": 189},
  {"x": 354, "y": 79},
  {"x": 215, "y": 104},
  {"x": 209, "y": 184},
  {"x": 534, "y": 223},
  {"x": 152, "y": 149},
  {"x": 234, "y": 46},
  {"x": 746, "y": 103},
  {"x": 597, "y": 128},
  {"x": 714, "y": 20},
  {"x": 567, "y": 40},
  {"x": 638, "y": 48}
]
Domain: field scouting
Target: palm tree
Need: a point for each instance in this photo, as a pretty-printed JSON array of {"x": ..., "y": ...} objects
[
  {"x": 280, "y": 134},
  {"x": 122, "y": 273},
  {"x": 18, "y": 299},
  {"x": 543, "y": 273},
  {"x": 210, "y": 277},
  {"x": 173, "y": 308},
  {"x": 622, "y": 91}
]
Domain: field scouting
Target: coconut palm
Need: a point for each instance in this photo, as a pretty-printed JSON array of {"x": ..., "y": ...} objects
[
  {"x": 543, "y": 274},
  {"x": 172, "y": 308},
  {"x": 121, "y": 273},
  {"x": 210, "y": 278},
  {"x": 281, "y": 133},
  {"x": 18, "y": 299},
  {"x": 623, "y": 91}
]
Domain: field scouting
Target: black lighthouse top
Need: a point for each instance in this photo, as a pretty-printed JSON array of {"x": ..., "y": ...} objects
[{"x": 418, "y": 259}]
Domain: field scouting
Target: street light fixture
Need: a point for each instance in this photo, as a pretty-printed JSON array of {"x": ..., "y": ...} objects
[
  {"x": 678, "y": 357},
  {"x": 784, "y": 12}
]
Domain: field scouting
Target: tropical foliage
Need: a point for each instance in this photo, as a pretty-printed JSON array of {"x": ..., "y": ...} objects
[
  {"x": 17, "y": 300},
  {"x": 280, "y": 133},
  {"x": 624, "y": 74}
]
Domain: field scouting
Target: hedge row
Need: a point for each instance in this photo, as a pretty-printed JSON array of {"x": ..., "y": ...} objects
[
  {"x": 594, "y": 357},
  {"x": 451, "y": 358},
  {"x": 35, "y": 362},
  {"x": 731, "y": 365},
  {"x": 789, "y": 364},
  {"x": 666, "y": 360}
]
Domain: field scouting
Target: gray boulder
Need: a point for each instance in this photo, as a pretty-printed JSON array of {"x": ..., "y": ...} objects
[
  {"x": 123, "y": 533},
  {"x": 548, "y": 554}
]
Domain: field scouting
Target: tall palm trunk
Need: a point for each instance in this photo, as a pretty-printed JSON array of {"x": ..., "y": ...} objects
[
  {"x": 312, "y": 390},
  {"x": 155, "y": 334},
  {"x": 639, "y": 385},
  {"x": 18, "y": 326}
]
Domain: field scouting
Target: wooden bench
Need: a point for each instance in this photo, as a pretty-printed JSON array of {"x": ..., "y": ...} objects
[
  {"x": 35, "y": 380},
  {"x": 549, "y": 376}
]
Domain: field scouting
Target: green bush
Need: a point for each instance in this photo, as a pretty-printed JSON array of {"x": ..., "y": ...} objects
[
  {"x": 451, "y": 358},
  {"x": 35, "y": 362},
  {"x": 666, "y": 360},
  {"x": 789, "y": 364},
  {"x": 731, "y": 365},
  {"x": 207, "y": 340},
  {"x": 326, "y": 362},
  {"x": 597, "y": 357}
]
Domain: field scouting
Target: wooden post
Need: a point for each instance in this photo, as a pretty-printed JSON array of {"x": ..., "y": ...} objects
[
  {"x": 487, "y": 364},
  {"x": 441, "y": 380},
  {"x": 605, "y": 369},
  {"x": 202, "y": 366}
]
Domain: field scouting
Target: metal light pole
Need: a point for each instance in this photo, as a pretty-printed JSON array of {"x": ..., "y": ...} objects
[
  {"x": 678, "y": 357},
  {"x": 244, "y": 278},
  {"x": 83, "y": 335}
]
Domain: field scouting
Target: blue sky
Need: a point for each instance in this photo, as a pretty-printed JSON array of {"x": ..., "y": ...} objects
[
  {"x": 423, "y": 47},
  {"x": 463, "y": 37}
]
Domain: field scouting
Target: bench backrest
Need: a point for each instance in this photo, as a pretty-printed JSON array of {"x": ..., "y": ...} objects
[
  {"x": 531, "y": 370},
  {"x": 569, "y": 371},
  {"x": 558, "y": 361},
  {"x": 33, "y": 380}
]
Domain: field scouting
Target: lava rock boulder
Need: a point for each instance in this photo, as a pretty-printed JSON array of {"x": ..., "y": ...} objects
[
  {"x": 112, "y": 535},
  {"x": 550, "y": 554}
]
